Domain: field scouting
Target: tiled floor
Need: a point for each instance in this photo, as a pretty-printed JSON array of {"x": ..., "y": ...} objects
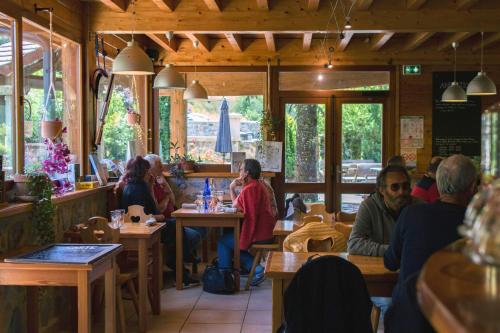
[{"x": 195, "y": 311}]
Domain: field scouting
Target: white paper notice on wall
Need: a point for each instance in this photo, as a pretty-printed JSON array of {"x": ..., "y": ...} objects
[
  {"x": 269, "y": 155},
  {"x": 412, "y": 132}
]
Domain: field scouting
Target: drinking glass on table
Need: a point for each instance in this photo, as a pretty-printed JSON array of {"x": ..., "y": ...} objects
[
  {"x": 117, "y": 217},
  {"x": 199, "y": 203},
  {"x": 220, "y": 200}
]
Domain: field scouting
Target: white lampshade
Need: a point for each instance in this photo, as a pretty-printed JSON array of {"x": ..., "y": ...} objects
[
  {"x": 481, "y": 85},
  {"x": 454, "y": 93},
  {"x": 195, "y": 92},
  {"x": 132, "y": 60},
  {"x": 169, "y": 78}
]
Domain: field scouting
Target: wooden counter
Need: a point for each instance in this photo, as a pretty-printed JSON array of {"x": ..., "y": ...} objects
[
  {"x": 459, "y": 296},
  {"x": 18, "y": 208}
]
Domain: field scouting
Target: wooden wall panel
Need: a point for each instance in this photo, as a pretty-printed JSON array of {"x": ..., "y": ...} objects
[{"x": 415, "y": 96}]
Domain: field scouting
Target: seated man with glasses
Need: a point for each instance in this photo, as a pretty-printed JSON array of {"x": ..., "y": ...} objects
[{"x": 377, "y": 216}]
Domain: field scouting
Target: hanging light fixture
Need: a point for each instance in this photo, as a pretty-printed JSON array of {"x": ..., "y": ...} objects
[
  {"x": 195, "y": 91},
  {"x": 132, "y": 60},
  {"x": 348, "y": 25},
  {"x": 168, "y": 77},
  {"x": 454, "y": 93},
  {"x": 481, "y": 85}
]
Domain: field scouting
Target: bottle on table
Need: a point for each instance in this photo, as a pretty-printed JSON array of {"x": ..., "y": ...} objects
[{"x": 207, "y": 193}]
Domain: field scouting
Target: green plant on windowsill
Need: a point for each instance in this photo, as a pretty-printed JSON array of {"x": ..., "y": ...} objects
[{"x": 40, "y": 186}]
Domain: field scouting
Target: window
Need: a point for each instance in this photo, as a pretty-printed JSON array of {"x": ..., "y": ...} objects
[
  {"x": 334, "y": 80},
  {"x": 350, "y": 201},
  {"x": 36, "y": 78},
  {"x": 7, "y": 104},
  {"x": 123, "y": 136},
  {"x": 164, "y": 127},
  {"x": 304, "y": 143},
  {"x": 245, "y": 114}
]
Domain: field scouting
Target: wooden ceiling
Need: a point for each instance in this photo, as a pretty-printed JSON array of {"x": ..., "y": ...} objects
[{"x": 247, "y": 32}]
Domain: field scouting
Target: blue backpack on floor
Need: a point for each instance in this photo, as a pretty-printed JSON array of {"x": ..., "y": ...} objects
[{"x": 216, "y": 281}]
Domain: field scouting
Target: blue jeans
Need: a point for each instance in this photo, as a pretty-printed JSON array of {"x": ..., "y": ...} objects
[
  {"x": 225, "y": 249},
  {"x": 383, "y": 303}
]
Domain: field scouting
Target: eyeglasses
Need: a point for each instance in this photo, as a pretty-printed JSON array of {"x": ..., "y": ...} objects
[{"x": 405, "y": 186}]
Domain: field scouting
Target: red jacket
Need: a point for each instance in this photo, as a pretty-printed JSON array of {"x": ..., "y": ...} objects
[{"x": 259, "y": 220}]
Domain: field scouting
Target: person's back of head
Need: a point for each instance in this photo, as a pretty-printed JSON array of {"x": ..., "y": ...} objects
[
  {"x": 137, "y": 168},
  {"x": 433, "y": 166},
  {"x": 397, "y": 160},
  {"x": 456, "y": 176},
  {"x": 252, "y": 166}
]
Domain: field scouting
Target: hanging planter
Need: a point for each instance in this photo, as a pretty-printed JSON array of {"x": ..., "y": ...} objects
[
  {"x": 133, "y": 118},
  {"x": 51, "y": 129}
]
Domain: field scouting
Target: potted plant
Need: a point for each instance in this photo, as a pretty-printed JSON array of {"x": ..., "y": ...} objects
[
  {"x": 187, "y": 163},
  {"x": 40, "y": 187},
  {"x": 56, "y": 163},
  {"x": 133, "y": 118}
]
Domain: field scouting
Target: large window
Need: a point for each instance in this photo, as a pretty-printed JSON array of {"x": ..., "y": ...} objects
[
  {"x": 7, "y": 105},
  {"x": 36, "y": 75},
  {"x": 244, "y": 116}
]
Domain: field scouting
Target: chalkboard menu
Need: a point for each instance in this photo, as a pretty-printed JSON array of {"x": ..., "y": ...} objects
[{"x": 456, "y": 127}]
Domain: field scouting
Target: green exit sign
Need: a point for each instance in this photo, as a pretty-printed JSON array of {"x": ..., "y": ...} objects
[{"x": 412, "y": 69}]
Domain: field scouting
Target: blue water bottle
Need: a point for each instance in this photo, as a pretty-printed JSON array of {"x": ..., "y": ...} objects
[{"x": 206, "y": 194}]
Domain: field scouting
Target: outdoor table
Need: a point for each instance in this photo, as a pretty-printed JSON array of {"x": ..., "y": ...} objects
[
  {"x": 74, "y": 265},
  {"x": 192, "y": 218},
  {"x": 282, "y": 266}
]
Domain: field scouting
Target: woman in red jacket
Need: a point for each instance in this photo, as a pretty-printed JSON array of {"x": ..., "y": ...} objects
[{"x": 258, "y": 223}]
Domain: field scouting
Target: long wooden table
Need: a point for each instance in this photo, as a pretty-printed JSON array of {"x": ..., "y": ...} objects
[
  {"x": 80, "y": 276},
  {"x": 192, "y": 218},
  {"x": 457, "y": 295},
  {"x": 282, "y": 266}
]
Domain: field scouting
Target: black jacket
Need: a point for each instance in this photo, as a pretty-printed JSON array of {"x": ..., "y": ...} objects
[
  {"x": 327, "y": 294},
  {"x": 138, "y": 193}
]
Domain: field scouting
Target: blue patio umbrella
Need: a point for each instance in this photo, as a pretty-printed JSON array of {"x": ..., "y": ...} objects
[{"x": 223, "y": 143}]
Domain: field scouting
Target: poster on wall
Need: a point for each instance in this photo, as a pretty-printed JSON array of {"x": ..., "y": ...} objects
[
  {"x": 456, "y": 127},
  {"x": 269, "y": 155},
  {"x": 410, "y": 157},
  {"x": 412, "y": 132}
]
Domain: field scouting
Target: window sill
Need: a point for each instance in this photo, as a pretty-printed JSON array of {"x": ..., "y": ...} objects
[
  {"x": 218, "y": 175},
  {"x": 19, "y": 208}
]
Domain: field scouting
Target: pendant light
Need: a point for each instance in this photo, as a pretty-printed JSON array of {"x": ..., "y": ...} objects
[
  {"x": 168, "y": 77},
  {"x": 481, "y": 85},
  {"x": 195, "y": 91},
  {"x": 454, "y": 93},
  {"x": 132, "y": 60}
]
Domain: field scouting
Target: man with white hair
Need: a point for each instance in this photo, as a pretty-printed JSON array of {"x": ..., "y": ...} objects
[{"x": 422, "y": 230}]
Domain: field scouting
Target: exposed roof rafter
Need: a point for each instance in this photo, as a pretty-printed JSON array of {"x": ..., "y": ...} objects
[
  {"x": 263, "y": 4},
  {"x": 116, "y": 5},
  {"x": 415, "y": 4},
  {"x": 344, "y": 42},
  {"x": 214, "y": 5},
  {"x": 270, "y": 42},
  {"x": 236, "y": 41},
  {"x": 312, "y": 5},
  {"x": 163, "y": 42},
  {"x": 488, "y": 40},
  {"x": 307, "y": 39},
  {"x": 204, "y": 41},
  {"x": 168, "y": 5},
  {"x": 466, "y": 4},
  {"x": 364, "y": 4},
  {"x": 456, "y": 37},
  {"x": 417, "y": 39},
  {"x": 379, "y": 40}
]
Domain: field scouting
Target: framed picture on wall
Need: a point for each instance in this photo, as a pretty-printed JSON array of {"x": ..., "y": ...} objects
[{"x": 98, "y": 169}]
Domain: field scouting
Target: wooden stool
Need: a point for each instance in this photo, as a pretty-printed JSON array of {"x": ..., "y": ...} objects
[{"x": 256, "y": 260}]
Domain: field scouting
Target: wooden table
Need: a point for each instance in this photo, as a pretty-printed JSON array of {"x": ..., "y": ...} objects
[
  {"x": 457, "y": 295},
  {"x": 192, "y": 218},
  {"x": 80, "y": 276},
  {"x": 282, "y": 266},
  {"x": 283, "y": 228},
  {"x": 140, "y": 237}
]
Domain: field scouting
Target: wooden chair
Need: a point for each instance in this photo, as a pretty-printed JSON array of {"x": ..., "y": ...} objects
[
  {"x": 97, "y": 230},
  {"x": 260, "y": 249},
  {"x": 135, "y": 213},
  {"x": 343, "y": 228},
  {"x": 311, "y": 218},
  {"x": 315, "y": 236},
  {"x": 320, "y": 209},
  {"x": 345, "y": 217}
]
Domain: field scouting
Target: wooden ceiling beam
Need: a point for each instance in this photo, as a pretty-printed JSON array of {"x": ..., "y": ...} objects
[
  {"x": 290, "y": 19},
  {"x": 236, "y": 41},
  {"x": 168, "y": 5},
  {"x": 344, "y": 42},
  {"x": 465, "y": 4},
  {"x": 417, "y": 39},
  {"x": 488, "y": 40},
  {"x": 457, "y": 37},
  {"x": 270, "y": 41},
  {"x": 415, "y": 4},
  {"x": 263, "y": 4},
  {"x": 214, "y": 5},
  {"x": 116, "y": 5},
  {"x": 162, "y": 41},
  {"x": 306, "y": 41},
  {"x": 364, "y": 4},
  {"x": 204, "y": 41},
  {"x": 312, "y": 5},
  {"x": 379, "y": 40}
]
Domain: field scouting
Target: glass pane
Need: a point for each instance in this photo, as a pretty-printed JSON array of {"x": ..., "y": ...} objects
[
  {"x": 361, "y": 142},
  {"x": 245, "y": 114},
  {"x": 334, "y": 80},
  {"x": 305, "y": 143},
  {"x": 307, "y": 198},
  {"x": 164, "y": 127},
  {"x": 350, "y": 202},
  {"x": 65, "y": 104},
  {"x": 7, "y": 107}
]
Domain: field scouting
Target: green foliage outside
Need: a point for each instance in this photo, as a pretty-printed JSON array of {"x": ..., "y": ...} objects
[
  {"x": 164, "y": 110},
  {"x": 117, "y": 132},
  {"x": 40, "y": 186},
  {"x": 251, "y": 107}
]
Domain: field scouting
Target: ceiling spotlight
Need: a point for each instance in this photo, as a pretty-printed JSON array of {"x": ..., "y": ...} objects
[
  {"x": 329, "y": 65},
  {"x": 347, "y": 25},
  {"x": 320, "y": 77}
]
